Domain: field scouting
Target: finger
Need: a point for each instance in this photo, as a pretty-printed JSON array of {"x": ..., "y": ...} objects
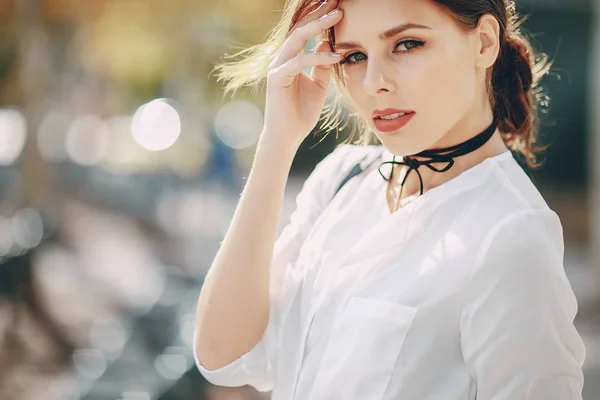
[
  {"x": 316, "y": 13},
  {"x": 288, "y": 71},
  {"x": 297, "y": 41},
  {"x": 321, "y": 74},
  {"x": 315, "y": 6}
]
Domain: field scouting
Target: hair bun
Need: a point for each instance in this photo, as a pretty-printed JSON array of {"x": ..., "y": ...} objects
[
  {"x": 512, "y": 81},
  {"x": 518, "y": 58}
]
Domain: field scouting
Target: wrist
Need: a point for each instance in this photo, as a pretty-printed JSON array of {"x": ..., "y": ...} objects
[{"x": 276, "y": 142}]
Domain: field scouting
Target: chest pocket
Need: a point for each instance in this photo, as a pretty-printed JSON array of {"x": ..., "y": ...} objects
[{"x": 362, "y": 350}]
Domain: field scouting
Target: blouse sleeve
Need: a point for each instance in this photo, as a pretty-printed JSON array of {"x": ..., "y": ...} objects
[
  {"x": 517, "y": 334},
  {"x": 256, "y": 367}
]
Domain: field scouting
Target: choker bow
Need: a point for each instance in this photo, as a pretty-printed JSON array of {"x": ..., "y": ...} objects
[{"x": 434, "y": 156}]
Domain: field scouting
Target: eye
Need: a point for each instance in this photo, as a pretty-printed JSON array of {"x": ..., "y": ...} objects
[
  {"x": 406, "y": 46},
  {"x": 354, "y": 58},
  {"x": 409, "y": 45}
]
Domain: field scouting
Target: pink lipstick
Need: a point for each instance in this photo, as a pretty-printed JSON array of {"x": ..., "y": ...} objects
[{"x": 391, "y": 119}]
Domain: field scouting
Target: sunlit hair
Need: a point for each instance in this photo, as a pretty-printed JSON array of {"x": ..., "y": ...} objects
[{"x": 513, "y": 82}]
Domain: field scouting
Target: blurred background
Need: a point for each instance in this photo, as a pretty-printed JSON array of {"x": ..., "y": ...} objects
[{"x": 121, "y": 163}]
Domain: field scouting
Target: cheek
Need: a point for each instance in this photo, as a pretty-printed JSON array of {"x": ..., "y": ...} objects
[
  {"x": 458, "y": 74},
  {"x": 353, "y": 78},
  {"x": 448, "y": 82}
]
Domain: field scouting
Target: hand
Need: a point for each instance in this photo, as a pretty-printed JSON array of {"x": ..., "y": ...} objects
[{"x": 294, "y": 99}]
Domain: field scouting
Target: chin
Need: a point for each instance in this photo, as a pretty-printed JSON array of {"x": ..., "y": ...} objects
[{"x": 400, "y": 144}]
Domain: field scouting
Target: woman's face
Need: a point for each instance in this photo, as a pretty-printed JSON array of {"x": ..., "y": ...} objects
[{"x": 427, "y": 68}]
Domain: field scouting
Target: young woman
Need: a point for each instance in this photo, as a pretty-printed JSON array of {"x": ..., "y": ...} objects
[{"x": 436, "y": 273}]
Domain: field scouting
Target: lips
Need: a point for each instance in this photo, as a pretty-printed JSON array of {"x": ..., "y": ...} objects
[
  {"x": 390, "y": 111},
  {"x": 401, "y": 118}
]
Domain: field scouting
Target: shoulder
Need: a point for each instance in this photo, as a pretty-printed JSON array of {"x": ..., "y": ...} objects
[
  {"x": 319, "y": 187},
  {"x": 522, "y": 253},
  {"x": 505, "y": 198},
  {"x": 525, "y": 231},
  {"x": 348, "y": 155},
  {"x": 505, "y": 223},
  {"x": 508, "y": 187},
  {"x": 334, "y": 166}
]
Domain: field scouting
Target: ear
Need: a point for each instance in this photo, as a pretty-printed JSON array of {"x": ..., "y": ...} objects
[{"x": 487, "y": 41}]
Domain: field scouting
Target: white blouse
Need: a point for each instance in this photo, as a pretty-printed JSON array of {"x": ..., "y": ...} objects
[{"x": 460, "y": 294}]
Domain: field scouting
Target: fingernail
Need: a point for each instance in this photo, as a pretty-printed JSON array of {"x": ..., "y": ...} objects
[{"x": 334, "y": 54}]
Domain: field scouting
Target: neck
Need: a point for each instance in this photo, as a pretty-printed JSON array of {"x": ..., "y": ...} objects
[{"x": 459, "y": 133}]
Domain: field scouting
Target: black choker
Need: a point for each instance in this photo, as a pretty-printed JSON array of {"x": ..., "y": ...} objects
[{"x": 436, "y": 156}]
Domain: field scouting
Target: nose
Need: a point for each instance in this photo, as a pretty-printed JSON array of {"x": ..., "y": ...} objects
[{"x": 379, "y": 77}]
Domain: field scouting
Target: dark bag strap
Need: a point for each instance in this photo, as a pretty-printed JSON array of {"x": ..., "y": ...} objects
[{"x": 359, "y": 168}]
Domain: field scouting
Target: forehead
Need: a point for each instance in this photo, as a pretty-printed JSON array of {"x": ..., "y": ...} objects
[
  {"x": 363, "y": 16},
  {"x": 396, "y": 5}
]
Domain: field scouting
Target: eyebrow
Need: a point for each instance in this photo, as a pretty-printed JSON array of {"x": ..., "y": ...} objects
[{"x": 385, "y": 35}]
